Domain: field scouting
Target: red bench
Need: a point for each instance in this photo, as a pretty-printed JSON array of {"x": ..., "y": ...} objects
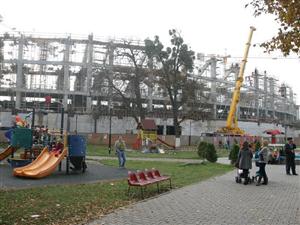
[{"x": 142, "y": 179}]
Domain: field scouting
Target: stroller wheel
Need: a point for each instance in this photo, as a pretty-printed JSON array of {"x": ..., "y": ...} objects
[{"x": 236, "y": 179}]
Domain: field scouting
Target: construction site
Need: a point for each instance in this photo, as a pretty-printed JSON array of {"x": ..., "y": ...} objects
[{"x": 49, "y": 72}]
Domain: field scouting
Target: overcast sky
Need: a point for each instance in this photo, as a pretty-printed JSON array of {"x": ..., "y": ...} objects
[{"x": 210, "y": 27}]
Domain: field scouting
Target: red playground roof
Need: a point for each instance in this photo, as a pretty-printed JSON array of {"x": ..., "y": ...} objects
[{"x": 148, "y": 124}]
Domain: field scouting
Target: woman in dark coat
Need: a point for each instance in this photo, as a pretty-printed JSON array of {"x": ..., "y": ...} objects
[{"x": 245, "y": 160}]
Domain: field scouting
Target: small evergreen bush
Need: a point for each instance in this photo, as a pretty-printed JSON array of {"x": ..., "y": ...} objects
[
  {"x": 202, "y": 150},
  {"x": 211, "y": 154},
  {"x": 257, "y": 146},
  {"x": 233, "y": 155}
]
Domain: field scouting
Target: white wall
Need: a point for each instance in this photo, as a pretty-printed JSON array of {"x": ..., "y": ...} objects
[{"x": 85, "y": 124}]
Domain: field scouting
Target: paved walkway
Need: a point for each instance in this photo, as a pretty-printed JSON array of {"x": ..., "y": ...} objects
[
  {"x": 220, "y": 201},
  {"x": 146, "y": 159}
]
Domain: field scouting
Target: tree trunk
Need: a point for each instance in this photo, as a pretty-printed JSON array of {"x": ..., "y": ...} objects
[
  {"x": 137, "y": 91},
  {"x": 176, "y": 128}
]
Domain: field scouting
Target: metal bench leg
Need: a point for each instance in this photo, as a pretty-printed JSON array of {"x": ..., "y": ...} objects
[
  {"x": 142, "y": 193},
  {"x": 128, "y": 189},
  {"x": 157, "y": 187},
  {"x": 170, "y": 184}
]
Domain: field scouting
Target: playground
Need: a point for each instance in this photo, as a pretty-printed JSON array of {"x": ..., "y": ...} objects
[
  {"x": 51, "y": 170},
  {"x": 96, "y": 173},
  {"x": 76, "y": 199},
  {"x": 39, "y": 157}
]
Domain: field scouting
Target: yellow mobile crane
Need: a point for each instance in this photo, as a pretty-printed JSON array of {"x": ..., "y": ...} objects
[{"x": 232, "y": 123}]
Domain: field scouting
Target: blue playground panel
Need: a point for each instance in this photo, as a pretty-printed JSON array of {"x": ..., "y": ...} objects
[
  {"x": 8, "y": 134},
  {"x": 77, "y": 145},
  {"x": 21, "y": 138},
  {"x": 18, "y": 162}
]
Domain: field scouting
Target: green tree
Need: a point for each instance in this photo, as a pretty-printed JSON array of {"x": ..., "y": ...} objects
[
  {"x": 173, "y": 65},
  {"x": 201, "y": 150},
  {"x": 287, "y": 15}
]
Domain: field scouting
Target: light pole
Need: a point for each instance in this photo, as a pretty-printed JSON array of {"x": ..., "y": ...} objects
[
  {"x": 190, "y": 136},
  {"x": 76, "y": 123},
  {"x": 109, "y": 136}
]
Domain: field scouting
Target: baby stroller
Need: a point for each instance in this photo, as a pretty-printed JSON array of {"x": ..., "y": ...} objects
[{"x": 240, "y": 176}]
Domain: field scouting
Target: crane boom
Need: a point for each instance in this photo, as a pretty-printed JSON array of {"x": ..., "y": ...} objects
[{"x": 231, "y": 123}]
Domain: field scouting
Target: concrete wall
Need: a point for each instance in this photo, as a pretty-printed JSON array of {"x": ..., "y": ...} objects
[{"x": 85, "y": 124}]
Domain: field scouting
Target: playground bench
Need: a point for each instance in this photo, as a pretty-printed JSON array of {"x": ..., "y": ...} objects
[{"x": 144, "y": 178}]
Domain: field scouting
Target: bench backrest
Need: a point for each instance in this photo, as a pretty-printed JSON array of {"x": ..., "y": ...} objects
[
  {"x": 142, "y": 176},
  {"x": 150, "y": 174},
  {"x": 132, "y": 178},
  {"x": 156, "y": 173}
]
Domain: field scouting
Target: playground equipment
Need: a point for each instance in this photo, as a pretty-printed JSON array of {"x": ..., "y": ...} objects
[
  {"x": 17, "y": 138},
  {"x": 77, "y": 152},
  {"x": 42, "y": 166},
  {"x": 167, "y": 145},
  {"x": 7, "y": 152},
  {"x": 21, "y": 138},
  {"x": 147, "y": 137},
  {"x": 232, "y": 123},
  {"x": 47, "y": 162},
  {"x": 43, "y": 163}
]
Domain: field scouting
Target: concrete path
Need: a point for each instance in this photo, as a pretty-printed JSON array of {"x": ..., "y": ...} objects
[
  {"x": 146, "y": 159},
  {"x": 220, "y": 201}
]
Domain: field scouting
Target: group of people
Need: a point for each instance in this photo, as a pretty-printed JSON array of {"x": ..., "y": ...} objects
[{"x": 245, "y": 155}]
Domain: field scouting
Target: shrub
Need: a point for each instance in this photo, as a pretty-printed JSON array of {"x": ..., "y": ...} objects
[
  {"x": 202, "y": 149},
  {"x": 233, "y": 155},
  {"x": 211, "y": 154}
]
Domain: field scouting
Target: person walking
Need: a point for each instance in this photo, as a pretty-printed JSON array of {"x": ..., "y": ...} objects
[
  {"x": 120, "y": 147},
  {"x": 290, "y": 157},
  {"x": 262, "y": 162},
  {"x": 245, "y": 160}
]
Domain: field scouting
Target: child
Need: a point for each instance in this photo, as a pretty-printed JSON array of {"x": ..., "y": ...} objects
[{"x": 58, "y": 148}]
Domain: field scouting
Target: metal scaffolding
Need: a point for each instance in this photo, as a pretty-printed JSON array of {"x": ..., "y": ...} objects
[{"x": 72, "y": 70}]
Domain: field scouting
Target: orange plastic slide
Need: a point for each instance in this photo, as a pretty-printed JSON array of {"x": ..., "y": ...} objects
[
  {"x": 42, "y": 166},
  {"x": 166, "y": 144},
  {"x": 6, "y": 152}
]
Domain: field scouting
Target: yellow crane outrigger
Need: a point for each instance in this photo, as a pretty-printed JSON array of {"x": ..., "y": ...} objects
[{"x": 232, "y": 123}]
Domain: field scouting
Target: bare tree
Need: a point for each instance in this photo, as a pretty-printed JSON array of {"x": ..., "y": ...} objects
[{"x": 129, "y": 76}]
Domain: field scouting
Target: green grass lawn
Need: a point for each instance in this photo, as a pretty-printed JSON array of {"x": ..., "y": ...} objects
[
  {"x": 100, "y": 150},
  {"x": 76, "y": 204}
]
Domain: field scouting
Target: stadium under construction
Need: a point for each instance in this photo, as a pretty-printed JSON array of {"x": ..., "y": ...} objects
[{"x": 49, "y": 72}]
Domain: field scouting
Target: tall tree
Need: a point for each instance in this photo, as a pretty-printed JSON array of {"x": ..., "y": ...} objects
[
  {"x": 172, "y": 73},
  {"x": 287, "y": 15},
  {"x": 127, "y": 79}
]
